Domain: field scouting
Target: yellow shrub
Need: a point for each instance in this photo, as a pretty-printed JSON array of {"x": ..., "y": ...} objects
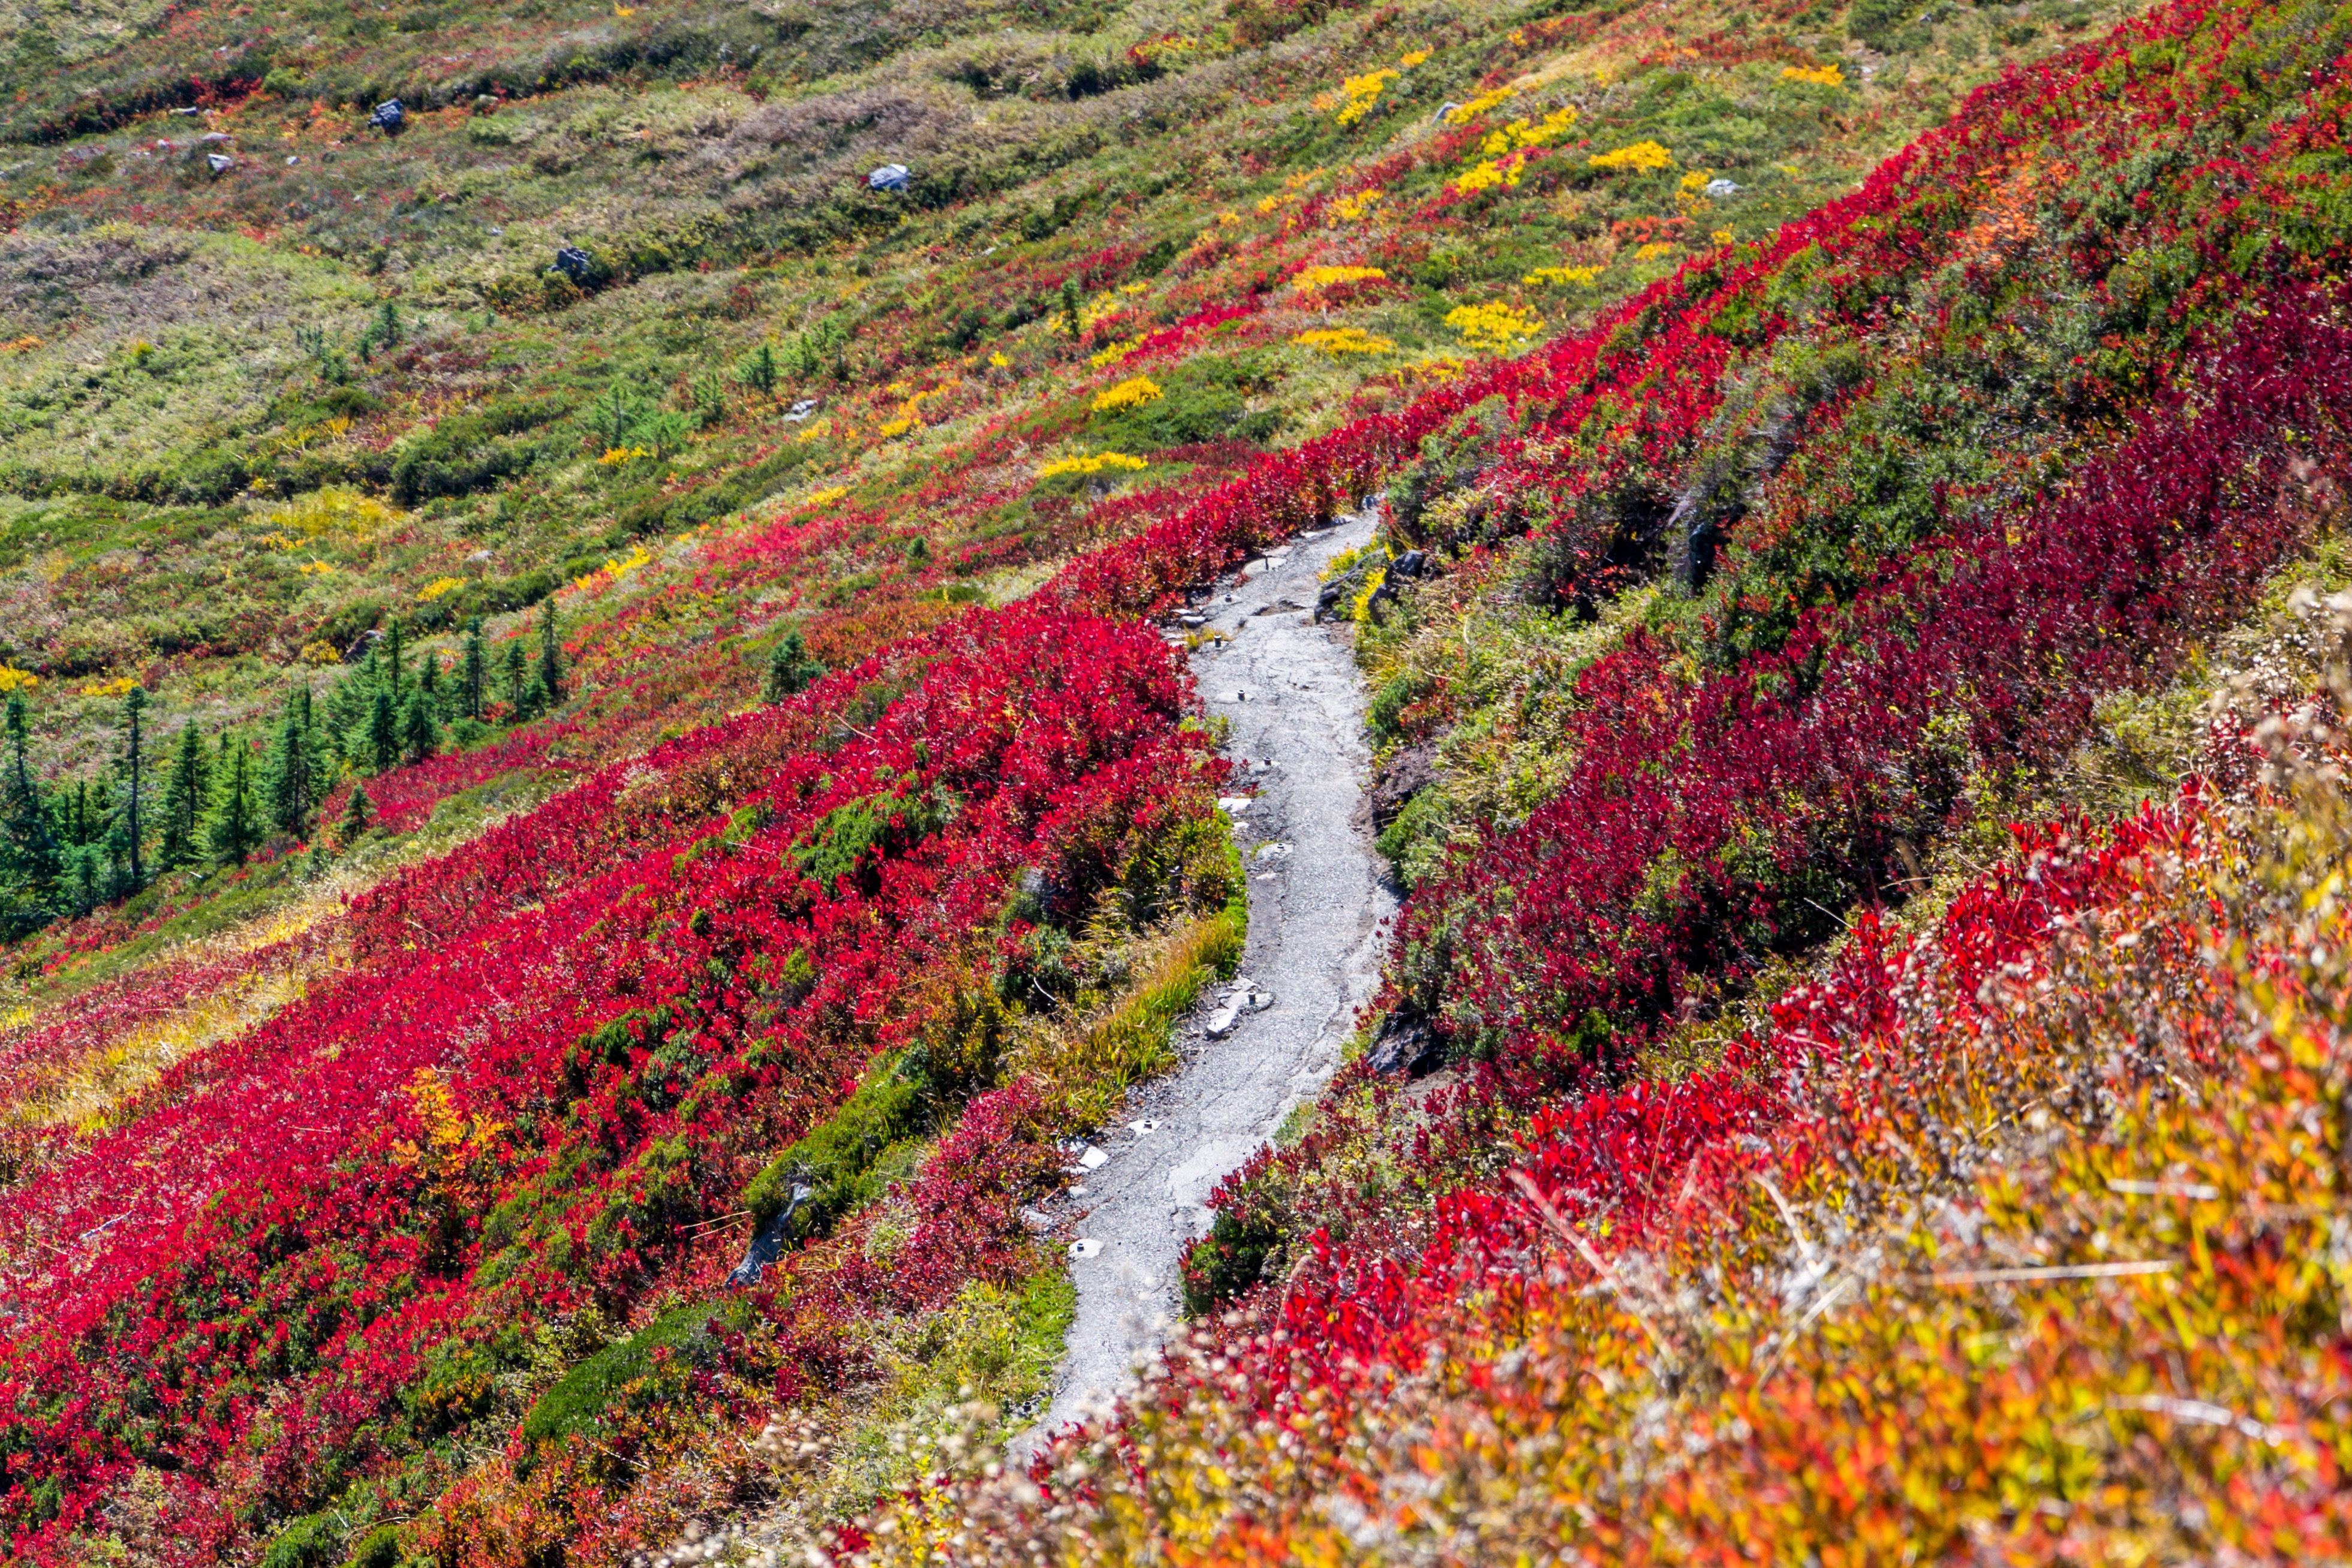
[
  {"x": 1096, "y": 464},
  {"x": 1345, "y": 340},
  {"x": 825, "y": 497},
  {"x": 1814, "y": 75},
  {"x": 1463, "y": 113},
  {"x": 1350, "y": 209},
  {"x": 1358, "y": 94},
  {"x": 1494, "y": 329},
  {"x": 12, "y": 679},
  {"x": 1582, "y": 277},
  {"x": 437, "y": 586},
  {"x": 1315, "y": 277},
  {"x": 1131, "y": 393},
  {"x": 1641, "y": 157}
]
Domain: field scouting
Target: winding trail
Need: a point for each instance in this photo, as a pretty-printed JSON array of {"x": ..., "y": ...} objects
[{"x": 1317, "y": 895}]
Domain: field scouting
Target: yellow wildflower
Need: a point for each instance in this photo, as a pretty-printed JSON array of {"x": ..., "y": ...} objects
[
  {"x": 614, "y": 455},
  {"x": 1358, "y": 94},
  {"x": 1582, "y": 277},
  {"x": 113, "y": 688},
  {"x": 1463, "y": 113},
  {"x": 437, "y": 586},
  {"x": 1814, "y": 75},
  {"x": 825, "y": 497},
  {"x": 1415, "y": 59},
  {"x": 12, "y": 679},
  {"x": 999, "y": 361},
  {"x": 1350, "y": 209},
  {"x": 1115, "y": 353},
  {"x": 1654, "y": 249}
]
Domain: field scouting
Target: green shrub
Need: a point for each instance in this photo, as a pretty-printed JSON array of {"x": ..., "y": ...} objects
[
  {"x": 313, "y": 1541},
  {"x": 836, "y": 1158},
  {"x": 594, "y": 1386}
]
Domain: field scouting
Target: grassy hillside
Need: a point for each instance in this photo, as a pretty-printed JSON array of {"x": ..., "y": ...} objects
[{"x": 770, "y": 783}]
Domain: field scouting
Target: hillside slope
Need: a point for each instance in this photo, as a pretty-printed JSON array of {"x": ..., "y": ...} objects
[{"x": 583, "y": 708}]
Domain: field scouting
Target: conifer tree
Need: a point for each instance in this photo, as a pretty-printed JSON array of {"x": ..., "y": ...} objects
[
  {"x": 518, "y": 686},
  {"x": 428, "y": 677},
  {"x": 133, "y": 824},
  {"x": 790, "y": 668},
  {"x": 235, "y": 830},
  {"x": 358, "y": 813},
  {"x": 29, "y": 860},
  {"x": 184, "y": 801},
  {"x": 395, "y": 672},
  {"x": 291, "y": 784},
  {"x": 383, "y": 734},
  {"x": 470, "y": 672},
  {"x": 418, "y": 734},
  {"x": 551, "y": 658}
]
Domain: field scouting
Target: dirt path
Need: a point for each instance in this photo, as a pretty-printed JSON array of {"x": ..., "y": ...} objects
[{"x": 1317, "y": 896}]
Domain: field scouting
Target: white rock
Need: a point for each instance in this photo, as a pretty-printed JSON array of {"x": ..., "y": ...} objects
[
  {"x": 1221, "y": 1022},
  {"x": 1093, "y": 1159}
]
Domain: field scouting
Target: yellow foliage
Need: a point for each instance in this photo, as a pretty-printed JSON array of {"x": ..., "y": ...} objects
[
  {"x": 1350, "y": 209},
  {"x": 1582, "y": 277},
  {"x": 1814, "y": 75},
  {"x": 113, "y": 688},
  {"x": 614, "y": 455},
  {"x": 1518, "y": 135},
  {"x": 1358, "y": 94},
  {"x": 1096, "y": 464},
  {"x": 12, "y": 679},
  {"x": 998, "y": 362},
  {"x": 1487, "y": 177},
  {"x": 1315, "y": 277},
  {"x": 1654, "y": 249},
  {"x": 335, "y": 511},
  {"x": 612, "y": 571},
  {"x": 1280, "y": 199},
  {"x": 320, "y": 653},
  {"x": 20, "y": 345},
  {"x": 1494, "y": 329},
  {"x": 1131, "y": 393},
  {"x": 1115, "y": 353},
  {"x": 1640, "y": 157},
  {"x": 316, "y": 568},
  {"x": 1463, "y": 113},
  {"x": 825, "y": 497},
  {"x": 437, "y": 586},
  {"x": 1415, "y": 59},
  {"x": 1345, "y": 341}
]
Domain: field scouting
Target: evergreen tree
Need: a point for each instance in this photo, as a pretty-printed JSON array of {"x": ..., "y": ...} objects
[
  {"x": 382, "y": 734},
  {"x": 551, "y": 658},
  {"x": 358, "y": 813},
  {"x": 1070, "y": 319},
  {"x": 291, "y": 785},
  {"x": 233, "y": 830},
  {"x": 395, "y": 673},
  {"x": 85, "y": 880},
  {"x": 518, "y": 690},
  {"x": 428, "y": 678},
  {"x": 318, "y": 749},
  {"x": 184, "y": 801},
  {"x": 790, "y": 668},
  {"x": 132, "y": 826},
  {"x": 30, "y": 862},
  {"x": 418, "y": 734},
  {"x": 470, "y": 672}
]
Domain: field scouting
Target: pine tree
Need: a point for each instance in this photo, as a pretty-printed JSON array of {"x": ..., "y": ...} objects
[
  {"x": 291, "y": 786},
  {"x": 1070, "y": 321},
  {"x": 319, "y": 749},
  {"x": 394, "y": 664},
  {"x": 519, "y": 689},
  {"x": 418, "y": 734},
  {"x": 134, "y": 823},
  {"x": 29, "y": 860},
  {"x": 790, "y": 668},
  {"x": 358, "y": 813},
  {"x": 470, "y": 672},
  {"x": 551, "y": 658},
  {"x": 428, "y": 677},
  {"x": 184, "y": 801},
  {"x": 235, "y": 830},
  {"x": 382, "y": 734}
]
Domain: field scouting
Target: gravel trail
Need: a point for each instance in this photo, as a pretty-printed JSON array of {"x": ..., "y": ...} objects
[{"x": 1318, "y": 894}]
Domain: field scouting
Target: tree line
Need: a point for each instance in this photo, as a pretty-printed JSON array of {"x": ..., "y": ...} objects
[{"x": 68, "y": 848}]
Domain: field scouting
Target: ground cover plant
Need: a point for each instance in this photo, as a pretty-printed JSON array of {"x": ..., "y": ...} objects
[{"x": 676, "y": 770}]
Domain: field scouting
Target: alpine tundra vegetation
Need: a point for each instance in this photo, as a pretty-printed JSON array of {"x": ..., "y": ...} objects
[{"x": 614, "y": 785}]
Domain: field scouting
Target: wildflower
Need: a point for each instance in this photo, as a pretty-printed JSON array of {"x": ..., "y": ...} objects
[
  {"x": 1720, "y": 236},
  {"x": 1413, "y": 60},
  {"x": 997, "y": 361},
  {"x": 1351, "y": 209},
  {"x": 12, "y": 679},
  {"x": 437, "y": 586},
  {"x": 1130, "y": 393},
  {"x": 1345, "y": 340},
  {"x": 1115, "y": 353},
  {"x": 825, "y": 497},
  {"x": 1814, "y": 75},
  {"x": 1641, "y": 157},
  {"x": 614, "y": 455},
  {"x": 1488, "y": 176},
  {"x": 1654, "y": 249},
  {"x": 1518, "y": 135}
]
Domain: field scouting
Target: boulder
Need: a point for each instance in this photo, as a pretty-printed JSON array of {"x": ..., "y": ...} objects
[
  {"x": 889, "y": 177},
  {"x": 389, "y": 117},
  {"x": 1406, "y": 1044},
  {"x": 1408, "y": 771}
]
